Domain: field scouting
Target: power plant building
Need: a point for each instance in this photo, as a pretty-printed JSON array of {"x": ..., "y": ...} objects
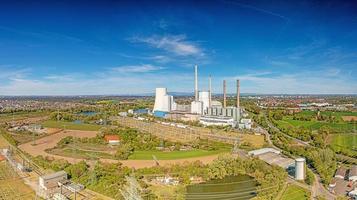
[
  {"x": 202, "y": 108},
  {"x": 164, "y": 103}
]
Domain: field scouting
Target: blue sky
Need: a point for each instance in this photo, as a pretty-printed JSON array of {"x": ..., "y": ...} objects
[{"x": 104, "y": 47}]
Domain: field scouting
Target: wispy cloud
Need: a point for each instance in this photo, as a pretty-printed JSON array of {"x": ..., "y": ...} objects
[
  {"x": 177, "y": 44},
  {"x": 261, "y": 10},
  {"x": 144, "y": 68},
  {"x": 43, "y": 34},
  {"x": 13, "y": 72},
  {"x": 331, "y": 81}
]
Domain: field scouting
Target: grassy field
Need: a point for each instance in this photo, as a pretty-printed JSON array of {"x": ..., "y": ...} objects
[
  {"x": 21, "y": 115},
  {"x": 137, "y": 155},
  {"x": 344, "y": 141},
  {"x": 294, "y": 192},
  {"x": 339, "y": 126},
  {"x": 12, "y": 186},
  {"x": 79, "y": 153},
  {"x": 71, "y": 125},
  {"x": 147, "y": 155}
]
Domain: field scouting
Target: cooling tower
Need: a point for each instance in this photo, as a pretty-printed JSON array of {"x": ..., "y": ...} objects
[
  {"x": 204, "y": 98},
  {"x": 162, "y": 100},
  {"x": 300, "y": 168}
]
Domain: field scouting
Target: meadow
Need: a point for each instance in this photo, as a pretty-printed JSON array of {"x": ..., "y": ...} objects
[
  {"x": 71, "y": 125},
  {"x": 148, "y": 155},
  {"x": 338, "y": 125},
  {"x": 294, "y": 192},
  {"x": 345, "y": 143}
]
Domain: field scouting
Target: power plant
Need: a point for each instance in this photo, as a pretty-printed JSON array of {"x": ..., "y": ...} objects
[{"x": 202, "y": 108}]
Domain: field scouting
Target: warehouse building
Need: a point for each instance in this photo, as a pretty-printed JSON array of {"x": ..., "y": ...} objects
[{"x": 50, "y": 181}]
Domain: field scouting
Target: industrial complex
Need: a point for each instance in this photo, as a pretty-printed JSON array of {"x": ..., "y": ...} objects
[{"x": 203, "y": 108}]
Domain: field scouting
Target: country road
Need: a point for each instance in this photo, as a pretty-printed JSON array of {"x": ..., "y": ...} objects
[{"x": 317, "y": 188}]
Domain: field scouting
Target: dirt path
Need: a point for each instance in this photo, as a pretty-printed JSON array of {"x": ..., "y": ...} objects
[{"x": 50, "y": 141}]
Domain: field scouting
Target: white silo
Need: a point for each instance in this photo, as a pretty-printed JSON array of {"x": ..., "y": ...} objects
[
  {"x": 300, "y": 168},
  {"x": 162, "y": 100}
]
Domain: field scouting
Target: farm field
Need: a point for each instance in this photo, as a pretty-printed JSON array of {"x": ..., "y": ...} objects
[
  {"x": 340, "y": 125},
  {"x": 147, "y": 155},
  {"x": 50, "y": 141},
  {"x": 12, "y": 186},
  {"x": 296, "y": 193},
  {"x": 71, "y": 125},
  {"x": 80, "y": 153},
  {"x": 343, "y": 141},
  {"x": 21, "y": 115},
  {"x": 137, "y": 155}
]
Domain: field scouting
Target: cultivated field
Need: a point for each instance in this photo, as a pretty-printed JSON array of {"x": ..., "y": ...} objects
[
  {"x": 23, "y": 118},
  {"x": 12, "y": 186},
  {"x": 71, "y": 125},
  {"x": 147, "y": 155},
  {"x": 50, "y": 141},
  {"x": 344, "y": 141},
  {"x": 339, "y": 125},
  {"x": 349, "y": 118},
  {"x": 294, "y": 192},
  {"x": 27, "y": 137}
]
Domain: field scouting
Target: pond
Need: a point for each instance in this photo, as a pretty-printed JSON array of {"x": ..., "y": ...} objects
[
  {"x": 87, "y": 113},
  {"x": 231, "y": 187},
  {"x": 77, "y": 121}
]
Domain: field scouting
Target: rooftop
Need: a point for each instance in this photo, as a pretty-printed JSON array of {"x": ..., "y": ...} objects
[
  {"x": 54, "y": 175},
  {"x": 111, "y": 137}
]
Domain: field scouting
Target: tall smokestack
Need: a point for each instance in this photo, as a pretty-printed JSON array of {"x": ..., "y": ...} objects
[
  {"x": 238, "y": 93},
  {"x": 224, "y": 94},
  {"x": 196, "y": 84},
  {"x": 210, "y": 91}
]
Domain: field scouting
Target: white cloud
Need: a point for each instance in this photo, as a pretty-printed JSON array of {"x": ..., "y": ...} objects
[
  {"x": 306, "y": 82},
  {"x": 137, "y": 68},
  {"x": 12, "y": 72},
  {"x": 176, "y": 44}
]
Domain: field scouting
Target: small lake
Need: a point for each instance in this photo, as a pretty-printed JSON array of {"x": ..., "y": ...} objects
[
  {"x": 77, "y": 121},
  {"x": 231, "y": 187},
  {"x": 87, "y": 113}
]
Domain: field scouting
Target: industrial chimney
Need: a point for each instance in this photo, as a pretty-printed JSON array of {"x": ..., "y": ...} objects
[
  {"x": 210, "y": 91},
  {"x": 238, "y": 93},
  {"x": 196, "y": 84},
  {"x": 224, "y": 94}
]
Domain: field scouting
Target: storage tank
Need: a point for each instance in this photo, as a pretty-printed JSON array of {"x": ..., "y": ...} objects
[{"x": 300, "y": 168}]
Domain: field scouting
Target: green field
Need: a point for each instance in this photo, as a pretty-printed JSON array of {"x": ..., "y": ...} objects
[
  {"x": 78, "y": 153},
  {"x": 137, "y": 155},
  {"x": 147, "y": 155},
  {"x": 294, "y": 192},
  {"x": 339, "y": 126},
  {"x": 344, "y": 141},
  {"x": 327, "y": 113},
  {"x": 71, "y": 125}
]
